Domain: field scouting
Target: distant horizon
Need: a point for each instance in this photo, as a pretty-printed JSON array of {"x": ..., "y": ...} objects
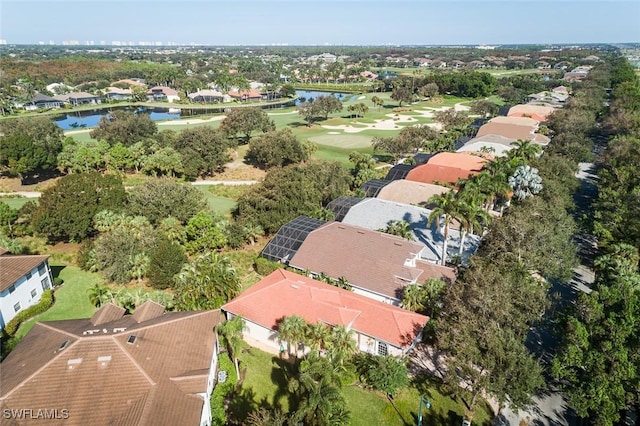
[{"x": 319, "y": 23}]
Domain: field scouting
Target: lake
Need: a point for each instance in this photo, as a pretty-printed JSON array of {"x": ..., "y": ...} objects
[
  {"x": 307, "y": 94},
  {"x": 91, "y": 118}
]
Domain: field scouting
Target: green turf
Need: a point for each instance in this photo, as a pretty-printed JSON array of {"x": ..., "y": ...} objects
[
  {"x": 16, "y": 203},
  {"x": 265, "y": 385},
  {"x": 71, "y": 299},
  {"x": 217, "y": 204}
]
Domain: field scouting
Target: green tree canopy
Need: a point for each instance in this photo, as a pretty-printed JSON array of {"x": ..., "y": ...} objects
[
  {"x": 276, "y": 148},
  {"x": 292, "y": 191},
  {"x": 246, "y": 121},
  {"x": 161, "y": 198},
  {"x": 66, "y": 210},
  {"x": 204, "y": 151},
  {"x": 124, "y": 127},
  {"x": 29, "y": 145}
]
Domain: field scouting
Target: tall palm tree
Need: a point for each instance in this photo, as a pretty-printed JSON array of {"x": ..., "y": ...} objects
[
  {"x": 231, "y": 336},
  {"x": 292, "y": 330},
  {"x": 472, "y": 218},
  {"x": 524, "y": 150},
  {"x": 446, "y": 209},
  {"x": 318, "y": 389},
  {"x": 318, "y": 335},
  {"x": 341, "y": 346},
  {"x": 99, "y": 295}
]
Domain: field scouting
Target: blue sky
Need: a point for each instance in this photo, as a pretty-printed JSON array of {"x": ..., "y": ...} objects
[{"x": 314, "y": 22}]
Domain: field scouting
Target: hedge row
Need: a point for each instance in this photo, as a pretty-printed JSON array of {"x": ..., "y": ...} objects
[
  {"x": 46, "y": 300},
  {"x": 222, "y": 390}
]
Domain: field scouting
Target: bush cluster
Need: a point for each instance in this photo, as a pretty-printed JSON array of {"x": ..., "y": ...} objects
[
  {"x": 46, "y": 300},
  {"x": 222, "y": 390}
]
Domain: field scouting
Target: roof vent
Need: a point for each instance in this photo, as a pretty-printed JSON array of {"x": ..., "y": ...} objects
[
  {"x": 73, "y": 362},
  {"x": 361, "y": 232},
  {"x": 104, "y": 360},
  {"x": 294, "y": 286},
  {"x": 64, "y": 345},
  {"x": 131, "y": 339}
]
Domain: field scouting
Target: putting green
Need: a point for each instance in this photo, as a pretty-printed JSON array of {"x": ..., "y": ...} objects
[{"x": 342, "y": 141}]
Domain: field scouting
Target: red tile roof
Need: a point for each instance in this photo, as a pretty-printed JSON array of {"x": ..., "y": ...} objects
[
  {"x": 447, "y": 167},
  {"x": 14, "y": 267},
  {"x": 248, "y": 94},
  {"x": 537, "y": 112},
  {"x": 285, "y": 293},
  {"x": 101, "y": 378}
]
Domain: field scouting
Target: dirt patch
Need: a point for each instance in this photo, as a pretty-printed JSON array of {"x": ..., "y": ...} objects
[
  {"x": 15, "y": 185},
  {"x": 241, "y": 172}
]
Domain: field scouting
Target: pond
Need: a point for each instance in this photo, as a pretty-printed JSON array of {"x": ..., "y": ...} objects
[
  {"x": 307, "y": 95},
  {"x": 91, "y": 118}
]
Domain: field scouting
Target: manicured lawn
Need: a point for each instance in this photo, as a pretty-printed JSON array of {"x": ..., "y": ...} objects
[
  {"x": 16, "y": 203},
  {"x": 265, "y": 385},
  {"x": 71, "y": 300},
  {"x": 217, "y": 204}
]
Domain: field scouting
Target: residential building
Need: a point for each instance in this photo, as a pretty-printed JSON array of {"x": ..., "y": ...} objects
[
  {"x": 250, "y": 95},
  {"x": 376, "y": 264},
  {"x": 79, "y": 98},
  {"x": 410, "y": 192},
  {"x": 378, "y": 328},
  {"x": 149, "y": 368},
  {"x": 40, "y": 101},
  {"x": 513, "y": 131},
  {"x": 447, "y": 167},
  {"x": 118, "y": 94},
  {"x": 208, "y": 96},
  {"x": 376, "y": 214},
  {"x": 537, "y": 112},
  {"x": 23, "y": 279},
  {"x": 162, "y": 93}
]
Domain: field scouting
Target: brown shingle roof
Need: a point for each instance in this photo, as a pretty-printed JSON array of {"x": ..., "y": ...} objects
[
  {"x": 518, "y": 121},
  {"x": 368, "y": 259},
  {"x": 12, "y": 268},
  {"x": 513, "y": 131},
  {"x": 537, "y": 112},
  {"x": 106, "y": 314},
  {"x": 147, "y": 311},
  {"x": 100, "y": 378},
  {"x": 284, "y": 293},
  {"x": 410, "y": 192}
]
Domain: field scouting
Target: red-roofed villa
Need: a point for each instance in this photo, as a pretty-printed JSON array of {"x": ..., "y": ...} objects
[{"x": 379, "y": 328}]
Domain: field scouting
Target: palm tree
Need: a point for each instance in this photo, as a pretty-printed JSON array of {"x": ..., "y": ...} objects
[
  {"x": 318, "y": 336},
  {"x": 472, "y": 218},
  {"x": 318, "y": 389},
  {"x": 99, "y": 295},
  {"x": 292, "y": 329},
  {"x": 231, "y": 337},
  {"x": 341, "y": 345},
  {"x": 343, "y": 283},
  {"x": 446, "y": 208},
  {"x": 399, "y": 228},
  {"x": 524, "y": 150},
  {"x": 413, "y": 298}
]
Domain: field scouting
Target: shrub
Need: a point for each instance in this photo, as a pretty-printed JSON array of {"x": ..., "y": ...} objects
[
  {"x": 265, "y": 267},
  {"x": 46, "y": 300},
  {"x": 222, "y": 391}
]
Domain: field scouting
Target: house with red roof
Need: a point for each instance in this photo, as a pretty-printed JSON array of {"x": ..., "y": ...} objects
[
  {"x": 379, "y": 328},
  {"x": 447, "y": 167},
  {"x": 250, "y": 95}
]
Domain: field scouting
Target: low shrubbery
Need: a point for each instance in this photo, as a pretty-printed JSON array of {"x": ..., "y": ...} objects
[
  {"x": 264, "y": 267},
  {"x": 222, "y": 390},
  {"x": 46, "y": 301}
]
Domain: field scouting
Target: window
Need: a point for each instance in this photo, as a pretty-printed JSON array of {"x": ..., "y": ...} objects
[
  {"x": 12, "y": 288},
  {"x": 16, "y": 307},
  {"x": 29, "y": 275},
  {"x": 383, "y": 349},
  {"x": 34, "y": 292},
  {"x": 42, "y": 269},
  {"x": 45, "y": 283}
]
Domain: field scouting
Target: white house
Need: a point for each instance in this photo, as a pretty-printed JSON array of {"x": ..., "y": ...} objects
[{"x": 23, "y": 279}]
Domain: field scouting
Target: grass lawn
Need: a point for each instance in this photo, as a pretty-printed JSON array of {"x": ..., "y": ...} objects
[
  {"x": 16, "y": 203},
  {"x": 265, "y": 385},
  {"x": 216, "y": 204},
  {"x": 71, "y": 300}
]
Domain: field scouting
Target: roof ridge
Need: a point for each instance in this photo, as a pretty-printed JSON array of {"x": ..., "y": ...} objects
[
  {"x": 134, "y": 362},
  {"x": 192, "y": 314},
  {"x": 45, "y": 365}
]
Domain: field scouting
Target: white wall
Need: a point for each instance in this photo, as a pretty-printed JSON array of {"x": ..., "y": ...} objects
[{"x": 22, "y": 294}]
